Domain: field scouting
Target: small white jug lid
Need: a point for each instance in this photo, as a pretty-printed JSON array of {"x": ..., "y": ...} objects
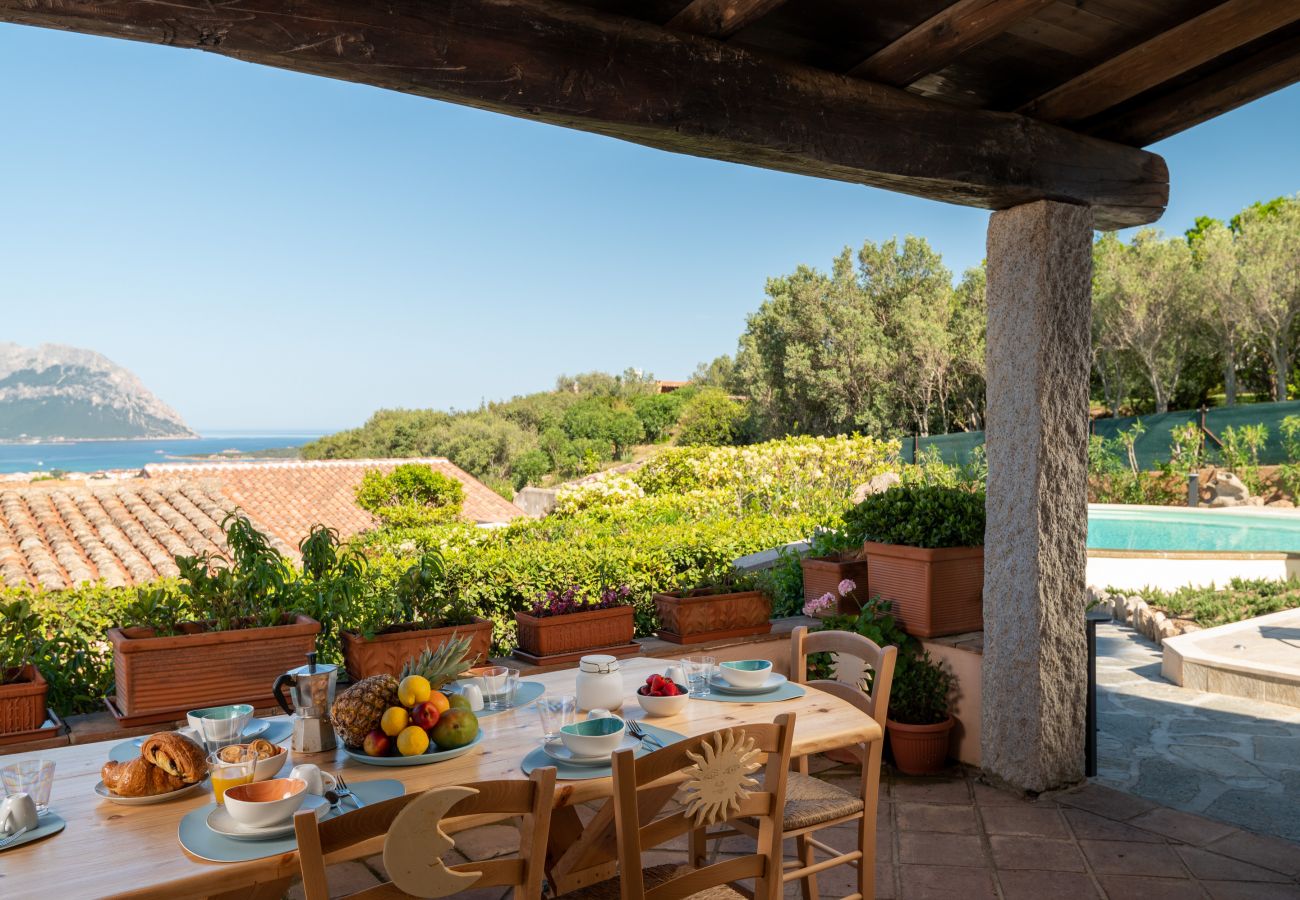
[{"x": 598, "y": 664}]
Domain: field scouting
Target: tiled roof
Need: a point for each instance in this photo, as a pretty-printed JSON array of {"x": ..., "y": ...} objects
[{"x": 57, "y": 534}]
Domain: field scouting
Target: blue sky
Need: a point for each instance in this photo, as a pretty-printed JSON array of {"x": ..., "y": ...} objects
[{"x": 272, "y": 250}]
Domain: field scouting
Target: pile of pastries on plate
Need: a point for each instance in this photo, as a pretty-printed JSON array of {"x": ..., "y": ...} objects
[
  {"x": 264, "y": 750},
  {"x": 168, "y": 761}
]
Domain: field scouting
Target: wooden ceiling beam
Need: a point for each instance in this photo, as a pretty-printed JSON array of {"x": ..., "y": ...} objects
[
  {"x": 721, "y": 18},
  {"x": 1262, "y": 73},
  {"x": 1222, "y": 29},
  {"x": 942, "y": 38},
  {"x": 640, "y": 82}
]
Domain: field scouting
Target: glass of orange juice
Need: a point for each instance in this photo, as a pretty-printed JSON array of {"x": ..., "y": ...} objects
[{"x": 230, "y": 767}]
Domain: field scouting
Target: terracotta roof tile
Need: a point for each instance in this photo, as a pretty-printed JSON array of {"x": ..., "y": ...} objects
[{"x": 58, "y": 534}]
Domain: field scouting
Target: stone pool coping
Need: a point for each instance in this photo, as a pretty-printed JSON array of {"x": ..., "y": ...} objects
[{"x": 1195, "y": 661}]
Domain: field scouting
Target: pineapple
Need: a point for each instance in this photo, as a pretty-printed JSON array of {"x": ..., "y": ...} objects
[{"x": 356, "y": 712}]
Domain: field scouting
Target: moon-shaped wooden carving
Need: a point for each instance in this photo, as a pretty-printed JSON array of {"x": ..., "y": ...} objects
[
  {"x": 416, "y": 842},
  {"x": 719, "y": 779}
]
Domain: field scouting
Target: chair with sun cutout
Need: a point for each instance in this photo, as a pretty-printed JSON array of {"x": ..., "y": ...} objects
[{"x": 416, "y": 840}]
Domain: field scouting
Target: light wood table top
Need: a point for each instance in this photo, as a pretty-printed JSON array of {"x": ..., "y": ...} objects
[{"x": 110, "y": 850}]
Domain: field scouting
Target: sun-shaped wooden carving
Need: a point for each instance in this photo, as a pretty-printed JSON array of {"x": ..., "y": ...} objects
[
  {"x": 416, "y": 842},
  {"x": 720, "y": 777}
]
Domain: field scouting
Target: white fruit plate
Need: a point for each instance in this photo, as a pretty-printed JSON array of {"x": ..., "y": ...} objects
[{"x": 422, "y": 760}]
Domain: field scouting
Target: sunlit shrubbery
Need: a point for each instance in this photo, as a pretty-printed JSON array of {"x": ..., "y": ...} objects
[{"x": 613, "y": 490}]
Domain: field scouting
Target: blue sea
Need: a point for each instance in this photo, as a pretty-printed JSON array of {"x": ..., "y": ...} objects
[{"x": 92, "y": 456}]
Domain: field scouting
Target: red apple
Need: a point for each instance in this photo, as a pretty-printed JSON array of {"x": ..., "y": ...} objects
[
  {"x": 425, "y": 714},
  {"x": 377, "y": 744}
]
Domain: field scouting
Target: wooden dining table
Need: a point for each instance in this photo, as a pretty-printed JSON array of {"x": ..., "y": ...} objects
[{"x": 111, "y": 850}]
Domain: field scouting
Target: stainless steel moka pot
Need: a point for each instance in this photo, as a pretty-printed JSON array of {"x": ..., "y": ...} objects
[{"x": 312, "y": 689}]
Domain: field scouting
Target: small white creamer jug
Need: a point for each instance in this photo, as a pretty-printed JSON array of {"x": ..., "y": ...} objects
[{"x": 600, "y": 683}]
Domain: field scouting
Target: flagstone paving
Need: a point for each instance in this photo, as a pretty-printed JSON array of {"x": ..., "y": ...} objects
[{"x": 1228, "y": 758}]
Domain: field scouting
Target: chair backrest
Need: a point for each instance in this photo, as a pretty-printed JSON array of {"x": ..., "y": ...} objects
[
  {"x": 880, "y": 660},
  {"x": 719, "y": 787},
  {"x": 416, "y": 828}
]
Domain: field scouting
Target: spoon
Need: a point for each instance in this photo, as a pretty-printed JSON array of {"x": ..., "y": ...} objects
[
  {"x": 10, "y": 838},
  {"x": 333, "y": 798}
]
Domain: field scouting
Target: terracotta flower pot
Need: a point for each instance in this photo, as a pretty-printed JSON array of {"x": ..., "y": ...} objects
[
  {"x": 557, "y": 639},
  {"x": 160, "y": 678},
  {"x": 22, "y": 700},
  {"x": 696, "y": 616},
  {"x": 919, "y": 749},
  {"x": 823, "y": 574},
  {"x": 934, "y": 592},
  {"x": 389, "y": 651}
]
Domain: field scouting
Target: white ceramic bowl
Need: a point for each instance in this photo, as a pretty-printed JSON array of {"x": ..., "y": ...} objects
[
  {"x": 594, "y": 737},
  {"x": 663, "y": 706},
  {"x": 230, "y": 721},
  {"x": 747, "y": 673},
  {"x": 265, "y": 803}
]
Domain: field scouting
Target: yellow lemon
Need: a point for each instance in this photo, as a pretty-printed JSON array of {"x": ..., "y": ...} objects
[
  {"x": 413, "y": 689},
  {"x": 394, "y": 721},
  {"x": 412, "y": 741}
]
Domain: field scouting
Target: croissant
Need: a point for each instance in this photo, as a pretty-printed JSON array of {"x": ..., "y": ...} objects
[
  {"x": 176, "y": 755},
  {"x": 138, "y": 778}
]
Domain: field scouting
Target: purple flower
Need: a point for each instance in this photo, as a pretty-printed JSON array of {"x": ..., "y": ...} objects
[
  {"x": 847, "y": 586},
  {"x": 825, "y": 601}
]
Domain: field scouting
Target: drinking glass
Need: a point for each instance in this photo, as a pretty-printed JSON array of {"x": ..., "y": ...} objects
[
  {"x": 556, "y": 711},
  {"x": 499, "y": 686},
  {"x": 33, "y": 777},
  {"x": 698, "y": 669},
  {"x": 229, "y": 768}
]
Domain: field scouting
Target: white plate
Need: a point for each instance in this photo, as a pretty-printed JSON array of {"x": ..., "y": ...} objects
[
  {"x": 560, "y": 753},
  {"x": 251, "y": 730},
  {"x": 774, "y": 681},
  {"x": 152, "y": 798},
  {"x": 221, "y": 822}
]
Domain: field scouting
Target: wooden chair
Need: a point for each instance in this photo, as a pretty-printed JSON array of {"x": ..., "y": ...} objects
[
  {"x": 812, "y": 804},
  {"x": 722, "y": 784},
  {"x": 416, "y": 840}
]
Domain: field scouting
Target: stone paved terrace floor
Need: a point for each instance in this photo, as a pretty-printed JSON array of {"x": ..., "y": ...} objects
[
  {"x": 1227, "y": 758},
  {"x": 957, "y": 839}
]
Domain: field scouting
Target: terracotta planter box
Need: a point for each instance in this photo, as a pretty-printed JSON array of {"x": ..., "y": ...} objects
[
  {"x": 22, "y": 703},
  {"x": 697, "y": 616},
  {"x": 934, "y": 592},
  {"x": 823, "y": 574},
  {"x": 160, "y": 678},
  {"x": 364, "y": 657},
  {"x": 557, "y": 639},
  {"x": 919, "y": 749}
]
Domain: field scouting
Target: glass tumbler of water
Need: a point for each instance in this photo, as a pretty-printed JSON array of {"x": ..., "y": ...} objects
[
  {"x": 699, "y": 669},
  {"x": 556, "y": 711},
  {"x": 33, "y": 777},
  {"x": 499, "y": 685}
]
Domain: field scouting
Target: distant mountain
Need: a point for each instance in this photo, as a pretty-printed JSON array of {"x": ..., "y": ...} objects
[{"x": 54, "y": 391}]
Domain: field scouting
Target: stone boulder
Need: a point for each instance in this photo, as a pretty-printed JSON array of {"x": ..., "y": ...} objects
[
  {"x": 877, "y": 485},
  {"x": 1229, "y": 490}
]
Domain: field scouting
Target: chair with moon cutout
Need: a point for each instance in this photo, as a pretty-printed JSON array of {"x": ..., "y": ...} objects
[{"x": 415, "y": 829}]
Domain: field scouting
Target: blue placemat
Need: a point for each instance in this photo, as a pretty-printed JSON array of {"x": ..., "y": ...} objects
[
  {"x": 538, "y": 758},
  {"x": 527, "y": 692},
  {"x": 49, "y": 823},
  {"x": 787, "y": 691},
  {"x": 277, "y": 731},
  {"x": 201, "y": 841}
]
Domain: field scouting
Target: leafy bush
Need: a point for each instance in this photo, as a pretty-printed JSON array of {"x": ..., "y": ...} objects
[
  {"x": 658, "y": 413},
  {"x": 1240, "y": 453},
  {"x": 410, "y": 496},
  {"x": 612, "y": 490},
  {"x": 919, "y": 695},
  {"x": 1288, "y": 474},
  {"x": 598, "y": 419},
  {"x": 919, "y": 516},
  {"x": 1243, "y": 598},
  {"x": 711, "y": 418},
  {"x": 530, "y": 468}
]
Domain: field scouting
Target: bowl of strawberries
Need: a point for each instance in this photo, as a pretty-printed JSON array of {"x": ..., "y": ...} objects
[{"x": 661, "y": 697}]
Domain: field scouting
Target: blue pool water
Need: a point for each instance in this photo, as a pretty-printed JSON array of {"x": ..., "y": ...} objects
[{"x": 1188, "y": 529}]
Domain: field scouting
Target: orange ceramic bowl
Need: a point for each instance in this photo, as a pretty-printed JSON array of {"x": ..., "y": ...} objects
[{"x": 265, "y": 803}]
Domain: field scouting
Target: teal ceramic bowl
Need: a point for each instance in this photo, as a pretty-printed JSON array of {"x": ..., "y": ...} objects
[
  {"x": 747, "y": 673},
  {"x": 593, "y": 737},
  {"x": 222, "y": 724}
]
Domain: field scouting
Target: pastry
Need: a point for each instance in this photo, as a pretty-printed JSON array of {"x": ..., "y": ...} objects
[
  {"x": 265, "y": 749},
  {"x": 138, "y": 778},
  {"x": 176, "y": 755}
]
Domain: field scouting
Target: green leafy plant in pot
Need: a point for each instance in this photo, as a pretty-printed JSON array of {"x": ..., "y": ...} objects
[
  {"x": 919, "y": 721},
  {"x": 22, "y": 687}
]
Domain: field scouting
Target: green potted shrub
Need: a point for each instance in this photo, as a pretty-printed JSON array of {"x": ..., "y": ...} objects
[
  {"x": 727, "y": 607},
  {"x": 222, "y": 636},
  {"x": 919, "y": 722},
  {"x": 924, "y": 546},
  {"x": 22, "y": 687},
  {"x": 833, "y": 558},
  {"x": 563, "y": 626},
  {"x": 420, "y": 612}
]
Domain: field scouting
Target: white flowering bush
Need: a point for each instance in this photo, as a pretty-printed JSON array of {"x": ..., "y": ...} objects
[{"x": 612, "y": 490}]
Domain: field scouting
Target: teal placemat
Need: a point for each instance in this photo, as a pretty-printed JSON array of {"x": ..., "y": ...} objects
[
  {"x": 528, "y": 692},
  {"x": 538, "y": 759},
  {"x": 787, "y": 691},
  {"x": 203, "y": 842},
  {"x": 49, "y": 823}
]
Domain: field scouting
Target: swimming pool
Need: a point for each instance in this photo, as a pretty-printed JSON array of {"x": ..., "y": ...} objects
[{"x": 1190, "y": 530}]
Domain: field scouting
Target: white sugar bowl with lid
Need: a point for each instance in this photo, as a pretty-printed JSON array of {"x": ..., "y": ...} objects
[{"x": 600, "y": 683}]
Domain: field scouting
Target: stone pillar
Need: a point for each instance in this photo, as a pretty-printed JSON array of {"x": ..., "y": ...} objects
[{"x": 1035, "y": 651}]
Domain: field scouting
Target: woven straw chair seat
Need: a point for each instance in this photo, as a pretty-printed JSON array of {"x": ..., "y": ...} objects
[
  {"x": 810, "y": 801},
  {"x": 655, "y": 875}
]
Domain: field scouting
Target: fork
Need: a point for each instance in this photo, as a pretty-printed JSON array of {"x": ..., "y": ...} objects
[
  {"x": 345, "y": 791},
  {"x": 9, "y": 839},
  {"x": 641, "y": 734}
]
